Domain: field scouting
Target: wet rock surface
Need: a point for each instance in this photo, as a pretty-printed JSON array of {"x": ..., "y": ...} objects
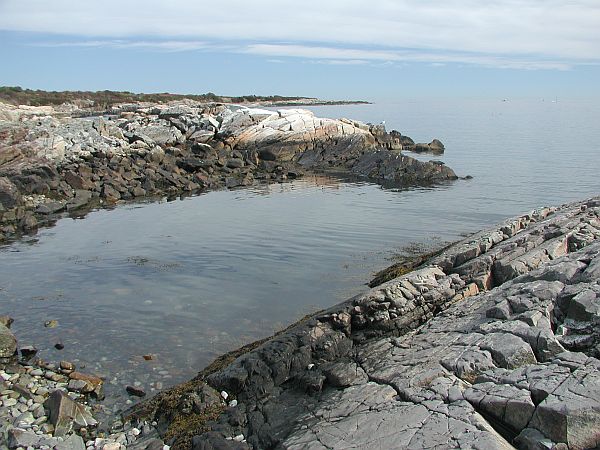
[
  {"x": 493, "y": 344},
  {"x": 52, "y": 165}
]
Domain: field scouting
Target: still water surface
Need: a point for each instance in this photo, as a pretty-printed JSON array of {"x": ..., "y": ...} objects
[{"x": 188, "y": 280}]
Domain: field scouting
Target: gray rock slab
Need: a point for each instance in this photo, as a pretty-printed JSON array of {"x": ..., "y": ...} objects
[{"x": 64, "y": 413}]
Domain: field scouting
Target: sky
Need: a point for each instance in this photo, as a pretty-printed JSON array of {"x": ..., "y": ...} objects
[{"x": 332, "y": 49}]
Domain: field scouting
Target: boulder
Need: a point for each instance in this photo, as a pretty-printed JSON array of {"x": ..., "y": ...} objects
[
  {"x": 19, "y": 438},
  {"x": 9, "y": 194},
  {"x": 8, "y": 342},
  {"x": 64, "y": 413},
  {"x": 435, "y": 147},
  {"x": 51, "y": 207}
]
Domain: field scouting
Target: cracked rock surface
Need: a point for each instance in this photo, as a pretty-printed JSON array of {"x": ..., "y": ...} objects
[{"x": 493, "y": 344}]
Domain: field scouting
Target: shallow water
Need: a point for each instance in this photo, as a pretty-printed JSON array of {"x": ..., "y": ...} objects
[{"x": 185, "y": 281}]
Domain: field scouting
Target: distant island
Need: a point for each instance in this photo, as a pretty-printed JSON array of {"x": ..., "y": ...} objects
[{"x": 16, "y": 95}]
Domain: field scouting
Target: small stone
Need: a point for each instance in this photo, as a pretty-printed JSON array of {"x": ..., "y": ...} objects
[
  {"x": 47, "y": 428},
  {"x": 9, "y": 402},
  {"x": 224, "y": 395},
  {"x": 111, "y": 446},
  {"x": 59, "y": 345},
  {"x": 25, "y": 419},
  {"x": 51, "y": 323},
  {"x": 23, "y": 391},
  {"x": 238, "y": 438},
  {"x": 66, "y": 365},
  {"x": 80, "y": 386},
  {"x": 38, "y": 411}
]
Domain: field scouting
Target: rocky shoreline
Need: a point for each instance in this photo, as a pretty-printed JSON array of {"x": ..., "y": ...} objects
[
  {"x": 491, "y": 344},
  {"x": 51, "y": 164},
  {"x": 54, "y": 405}
]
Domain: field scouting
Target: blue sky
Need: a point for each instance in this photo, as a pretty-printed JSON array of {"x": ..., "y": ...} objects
[{"x": 372, "y": 50}]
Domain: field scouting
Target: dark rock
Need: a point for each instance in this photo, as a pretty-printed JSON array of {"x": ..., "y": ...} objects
[
  {"x": 135, "y": 391},
  {"x": 154, "y": 444},
  {"x": 9, "y": 194},
  {"x": 585, "y": 306},
  {"x": 201, "y": 149},
  {"x": 29, "y": 222},
  {"x": 110, "y": 193},
  {"x": 22, "y": 390},
  {"x": 50, "y": 208},
  {"x": 77, "y": 181},
  {"x": 312, "y": 381},
  {"x": 28, "y": 351},
  {"x": 436, "y": 146},
  {"x": 235, "y": 163},
  {"x": 214, "y": 441},
  {"x": 192, "y": 164},
  {"x": 59, "y": 345}
]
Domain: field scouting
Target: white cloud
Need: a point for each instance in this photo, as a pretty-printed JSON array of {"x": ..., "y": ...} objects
[
  {"x": 551, "y": 34},
  {"x": 362, "y": 56},
  {"x": 171, "y": 46}
]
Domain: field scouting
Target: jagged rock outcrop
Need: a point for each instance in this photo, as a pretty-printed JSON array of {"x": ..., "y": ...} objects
[
  {"x": 51, "y": 163},
  {"x": 493, "y": 344}
]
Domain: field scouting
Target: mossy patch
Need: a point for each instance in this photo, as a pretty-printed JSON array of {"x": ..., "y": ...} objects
[
  {"x": 413, "y": 257},
  {"x": 183, "y": 427}
]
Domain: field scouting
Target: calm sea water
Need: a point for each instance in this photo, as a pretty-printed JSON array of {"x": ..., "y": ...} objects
[{"x": 188, "y": 280}]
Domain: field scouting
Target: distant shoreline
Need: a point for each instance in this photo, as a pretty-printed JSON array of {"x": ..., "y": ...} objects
[{"x": 15, "y": 95}]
